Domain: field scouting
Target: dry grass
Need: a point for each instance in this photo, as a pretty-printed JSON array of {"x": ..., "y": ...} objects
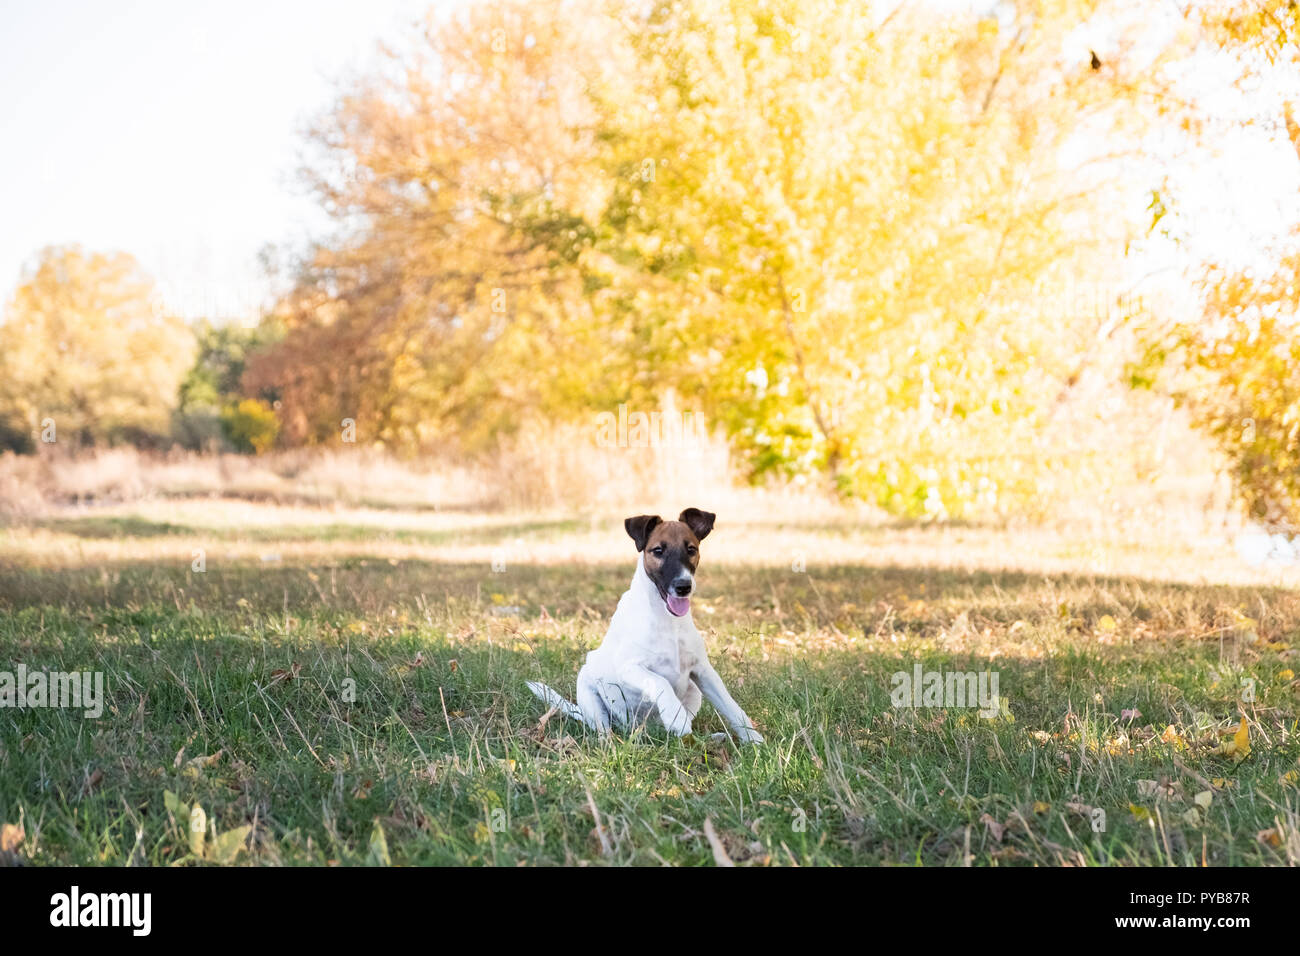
[
  {"x": 560, "y": 466},
  {"x": 1139, "y": 471}
]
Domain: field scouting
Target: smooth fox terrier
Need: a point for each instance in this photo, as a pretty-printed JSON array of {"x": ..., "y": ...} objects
[{"x": 653, "y": 661}]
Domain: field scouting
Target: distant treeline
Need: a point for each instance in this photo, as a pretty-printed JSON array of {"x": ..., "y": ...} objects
[{"x": 856, "y": 241}]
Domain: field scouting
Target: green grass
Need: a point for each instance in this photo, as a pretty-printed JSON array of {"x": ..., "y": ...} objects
[{"x": 437, "y": 744}]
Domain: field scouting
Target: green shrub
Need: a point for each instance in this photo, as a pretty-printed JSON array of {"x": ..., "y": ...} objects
[{"x": 250, "y": 425}]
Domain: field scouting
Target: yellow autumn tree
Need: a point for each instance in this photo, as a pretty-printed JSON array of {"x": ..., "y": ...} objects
[
  {"x": 86, "y": 343},
  {"x": 446, "y": 307},
  {"x": 849, "y": 234},
  {"x": 1236, "y": 365},
  {"x": 860, "y": 234}
]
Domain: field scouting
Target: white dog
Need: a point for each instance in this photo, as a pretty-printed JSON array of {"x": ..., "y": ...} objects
[{"x": 652, "y": 661}]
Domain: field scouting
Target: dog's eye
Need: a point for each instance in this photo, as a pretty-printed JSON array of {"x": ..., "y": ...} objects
[
  {"x": 691, "y": 549},
  {"x": 657, "y": 552}
]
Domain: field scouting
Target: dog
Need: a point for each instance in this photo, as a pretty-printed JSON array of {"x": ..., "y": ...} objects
[{"x": 652, "y": 661}]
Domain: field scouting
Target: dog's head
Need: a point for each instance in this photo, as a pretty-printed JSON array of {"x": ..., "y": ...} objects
[{"x": 671, "y": 552}]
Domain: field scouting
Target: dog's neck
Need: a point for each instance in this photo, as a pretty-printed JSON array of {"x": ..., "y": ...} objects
[{"x": 645, "y": 589}]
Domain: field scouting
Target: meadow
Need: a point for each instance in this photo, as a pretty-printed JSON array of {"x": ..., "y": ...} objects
[
  {"x": 344, "y": 684},
  {"x": 974, "y": 324}
]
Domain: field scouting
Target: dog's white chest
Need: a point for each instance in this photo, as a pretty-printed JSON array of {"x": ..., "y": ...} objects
[
  {"x": 687, "y": 658},
  {"x": 670, "y": 650},
  {"x": 643, "y": 635}
]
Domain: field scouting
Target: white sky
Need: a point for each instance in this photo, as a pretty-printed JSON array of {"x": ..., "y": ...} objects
[{"x": 170, "y": 130}]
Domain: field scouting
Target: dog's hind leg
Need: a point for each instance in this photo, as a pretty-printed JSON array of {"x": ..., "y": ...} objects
[
  {"x": 551, "y": 698},
  {"x": 653, "y": 687},
  {"x": 595, "y": 713}
]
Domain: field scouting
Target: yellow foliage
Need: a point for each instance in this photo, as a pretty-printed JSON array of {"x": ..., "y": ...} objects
[
  {"x": 1238, "y": 748},
  {"x": 86, "y": 344},
  {"x": 852, "y": 249},
  {"x": 250, "y": 425}
]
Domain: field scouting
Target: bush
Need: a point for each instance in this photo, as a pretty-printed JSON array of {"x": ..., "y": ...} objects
[
  {"x": 199, "y": 429},
  {"x": 250, "y": 425},
  {"x": 1240, "y": 378},
  {"x": 1252, "y": 411},
  {"x": 14, "y": 437}
]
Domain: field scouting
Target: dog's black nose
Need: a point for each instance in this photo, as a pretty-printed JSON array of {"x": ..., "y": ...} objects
[{"x": 682, "y": 589}]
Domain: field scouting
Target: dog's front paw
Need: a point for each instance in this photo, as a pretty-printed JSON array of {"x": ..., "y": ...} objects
[
  {"x": 749, "y": 735},
  {"x": 679, "y": 727}
]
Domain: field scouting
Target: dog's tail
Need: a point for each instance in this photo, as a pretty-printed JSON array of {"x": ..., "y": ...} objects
[{"x": 551, "y": 698}]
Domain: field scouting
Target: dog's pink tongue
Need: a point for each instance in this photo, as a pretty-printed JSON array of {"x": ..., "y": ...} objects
[{"x": 679, "y": 605}]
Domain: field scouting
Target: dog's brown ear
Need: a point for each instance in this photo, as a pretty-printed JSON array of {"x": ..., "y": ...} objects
[
  {"x": 700, "y": 522},
  {"x": 639, "y": 528}
]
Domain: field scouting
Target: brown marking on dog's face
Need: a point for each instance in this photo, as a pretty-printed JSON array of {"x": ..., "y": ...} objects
[{"x": 671, "y": 552}]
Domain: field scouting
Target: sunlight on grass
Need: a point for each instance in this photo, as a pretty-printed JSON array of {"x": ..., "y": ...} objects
[{"x": 370, "y": 678}]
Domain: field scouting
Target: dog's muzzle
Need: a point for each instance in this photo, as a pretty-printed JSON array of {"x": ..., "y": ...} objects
[{"x": 678, "y": 597}]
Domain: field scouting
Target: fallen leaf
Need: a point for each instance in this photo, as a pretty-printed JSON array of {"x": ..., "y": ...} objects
[
  {"x": 378, "y": 855},
  {"x": 286, "y": 675},
  {"x": 1204, "y": 799},
  {"x": 1238, "y": 748},
  {"x": 224, "y": 848},
  {"x": 720, "y": 856},
  {"x": 995, "y": 829},
  {"x": 1269, "y": 836},
  {"x": 92, "y": 781},
  {"x": 1040, "y": 807},
  {"x": 208, "y": 761},
  {"x": 11, "y": 837}
]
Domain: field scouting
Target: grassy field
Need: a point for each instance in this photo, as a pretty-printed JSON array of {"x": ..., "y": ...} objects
[{"x": 346, "y": 686}]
